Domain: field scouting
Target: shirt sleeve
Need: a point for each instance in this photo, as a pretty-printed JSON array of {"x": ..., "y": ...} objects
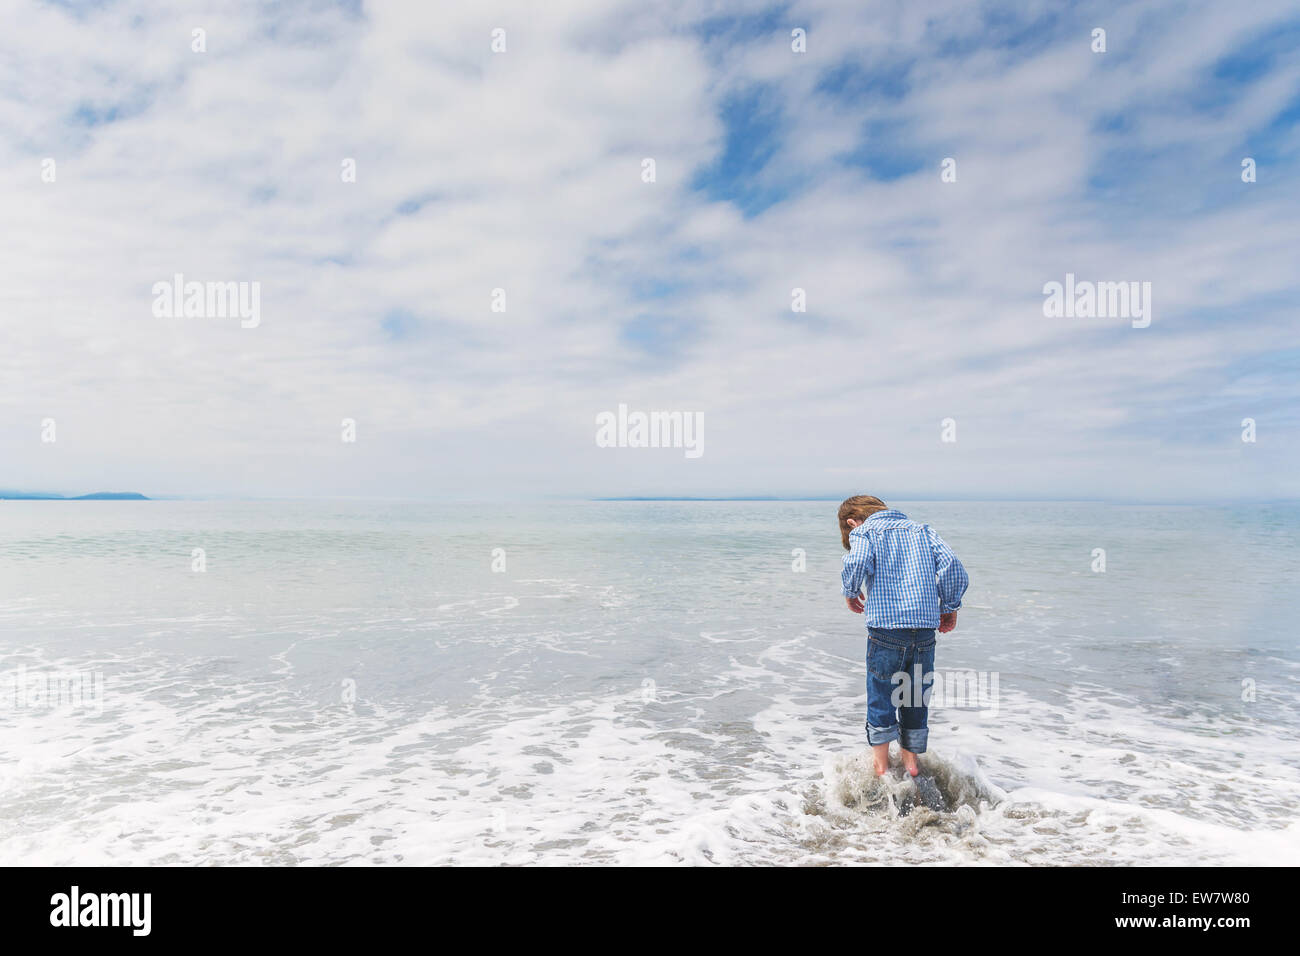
[
  {"x": 951, "y": 576},
  {"x": 859, "y": 565}
]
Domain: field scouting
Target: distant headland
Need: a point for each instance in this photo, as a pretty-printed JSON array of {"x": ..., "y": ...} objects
[{"x": 45, "y": 496}]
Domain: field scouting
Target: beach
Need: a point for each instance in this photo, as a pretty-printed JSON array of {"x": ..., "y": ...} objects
[{"x": 633, "y": 682}]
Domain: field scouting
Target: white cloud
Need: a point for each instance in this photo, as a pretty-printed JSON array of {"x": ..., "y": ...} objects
[{"x": 522, "y": 171}]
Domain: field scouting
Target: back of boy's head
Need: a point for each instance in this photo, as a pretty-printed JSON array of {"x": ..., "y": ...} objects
[{"x": 860, "y": 507}]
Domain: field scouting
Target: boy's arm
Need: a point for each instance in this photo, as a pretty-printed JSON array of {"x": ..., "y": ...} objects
[
  {"x": 951, "y": 576},
  {"x": 859, "y": 566}
]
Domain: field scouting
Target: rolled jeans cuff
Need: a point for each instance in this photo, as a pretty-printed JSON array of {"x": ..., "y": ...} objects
[
  {"x": 882, "y": 735},
  {"x": 912, "y": 739}
]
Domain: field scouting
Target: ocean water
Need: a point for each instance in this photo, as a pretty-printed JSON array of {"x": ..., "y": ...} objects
[{"x": 636, "y": 682}]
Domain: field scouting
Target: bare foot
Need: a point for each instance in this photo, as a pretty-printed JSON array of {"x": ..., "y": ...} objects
[
  {"x": 909, "y": 762},
  {"x": 880, "y": 759}
]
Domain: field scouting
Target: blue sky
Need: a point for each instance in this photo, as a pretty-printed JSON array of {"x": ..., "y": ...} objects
[{"x": 521, "y": 171}]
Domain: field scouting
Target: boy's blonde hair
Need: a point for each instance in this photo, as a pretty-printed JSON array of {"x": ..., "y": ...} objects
[{"x": 860, "y": 507}]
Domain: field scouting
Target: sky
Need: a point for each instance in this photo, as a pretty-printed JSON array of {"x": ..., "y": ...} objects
[{"x": 128, "y": 157}]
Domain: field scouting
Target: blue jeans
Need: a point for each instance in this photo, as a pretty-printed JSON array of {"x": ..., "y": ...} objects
[{"x": 900, "y": 675}]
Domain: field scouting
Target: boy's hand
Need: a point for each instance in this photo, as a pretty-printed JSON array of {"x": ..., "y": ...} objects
[
  {"x": 855, "y": 604},
  {"x": 947, "y": 622}
]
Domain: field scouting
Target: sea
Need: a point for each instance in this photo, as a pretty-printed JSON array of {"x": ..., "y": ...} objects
[{"x": 671, "y": 683}]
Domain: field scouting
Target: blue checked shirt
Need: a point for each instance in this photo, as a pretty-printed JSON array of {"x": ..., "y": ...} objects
[{"x": 910, "y": 574}]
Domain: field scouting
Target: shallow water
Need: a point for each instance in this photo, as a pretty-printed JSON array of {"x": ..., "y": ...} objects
[{"x": 645, "y": 682}]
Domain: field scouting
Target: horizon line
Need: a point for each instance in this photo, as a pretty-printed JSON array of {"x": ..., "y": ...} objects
[{"x": 5, "y": 495}]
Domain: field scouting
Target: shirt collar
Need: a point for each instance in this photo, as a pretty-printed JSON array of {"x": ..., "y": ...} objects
[{"x": 887, "y": 513}]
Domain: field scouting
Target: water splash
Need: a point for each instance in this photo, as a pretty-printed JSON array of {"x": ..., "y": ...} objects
[{"x": 945, "y": 786}]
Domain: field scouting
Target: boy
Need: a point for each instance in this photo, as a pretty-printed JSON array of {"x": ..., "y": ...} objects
[{"x": 914, "y": 584}]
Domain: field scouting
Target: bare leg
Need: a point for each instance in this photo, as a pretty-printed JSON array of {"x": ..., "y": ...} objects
[
  {"x": 909, "y": 761},
  {"x": 880, "y": 757}
]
